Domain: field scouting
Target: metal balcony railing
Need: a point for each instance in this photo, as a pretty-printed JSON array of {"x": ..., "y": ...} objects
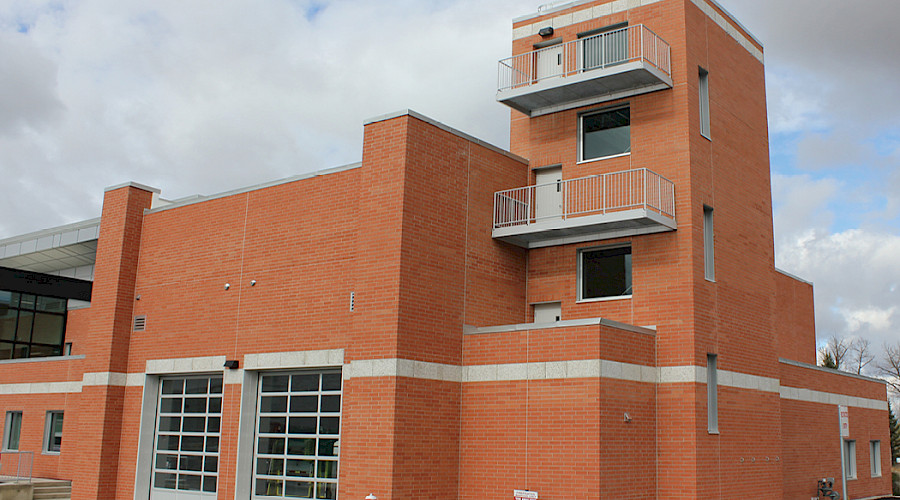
[
  {"x": 634, "y": 43},
  {"x": 594, "y": 195},
  {"x": 15, "y": 466}
]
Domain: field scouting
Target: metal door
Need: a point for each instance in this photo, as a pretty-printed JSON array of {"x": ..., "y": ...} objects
[
  {"x": 549, "y": 62},
  {"x": 548, "y": 194}
]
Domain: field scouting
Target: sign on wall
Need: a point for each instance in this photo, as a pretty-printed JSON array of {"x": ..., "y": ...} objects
[
  {"x": 525, "y": 495},
  {"x": 845, "y": 421}
]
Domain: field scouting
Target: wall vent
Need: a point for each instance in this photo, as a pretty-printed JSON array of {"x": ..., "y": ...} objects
[
  {"x": 352, "y": 301},
  {"x": 140, "y": 323}
]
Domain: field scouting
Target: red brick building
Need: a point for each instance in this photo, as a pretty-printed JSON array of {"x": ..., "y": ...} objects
[{"x": 595, "y": 314}]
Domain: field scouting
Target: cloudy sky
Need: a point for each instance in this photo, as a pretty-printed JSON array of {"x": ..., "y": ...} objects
[{"x": 205, "y": 96}]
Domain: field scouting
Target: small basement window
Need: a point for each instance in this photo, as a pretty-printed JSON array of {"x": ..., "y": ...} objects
[
  {"x": 604, "y": 134},
  {"x": 604, "y": 273}
]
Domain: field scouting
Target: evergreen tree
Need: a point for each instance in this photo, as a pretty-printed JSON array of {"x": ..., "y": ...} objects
[
  {"x": 895, "y": 434},
  {"x": 828, "y": 361}
]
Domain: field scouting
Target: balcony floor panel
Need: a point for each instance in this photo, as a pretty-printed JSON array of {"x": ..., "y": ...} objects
[
  {"x": 597, "y": 85},
  {"x": 560, "y": 231}
]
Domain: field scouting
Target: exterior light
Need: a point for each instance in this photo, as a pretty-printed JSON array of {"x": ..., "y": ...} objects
[
  {"x": 371, "y": 496},
  {"x": 548, "y": 31},
  {"x": 227, "y": 286},
  {"x": 232, "y": 364}
]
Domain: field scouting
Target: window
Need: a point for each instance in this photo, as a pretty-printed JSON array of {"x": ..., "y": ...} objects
[
  {"x": 704, "y": 103},
  {"x": 12, "y": 430},
  {"x": 850, "y": 458},
  {"x": 53, "y": 432},
  {"x": 604, "y": 134},
  {"x": 712, "y": 393},
  {"x": 31, "y": 325},
  {"x": 875, "y": 452},
  {"x": 298, "y": 435},
  {"x": 709, "y": 257},
  {"x": 604, "y": 273}
]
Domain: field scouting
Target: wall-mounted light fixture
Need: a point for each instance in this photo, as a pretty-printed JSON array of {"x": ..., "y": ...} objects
[
  {"x": 252, "y": 282},
  {"x": 548, "y": 31},
  {"x": 232, "y": 364},
  {"x": 227, "y": 286}
]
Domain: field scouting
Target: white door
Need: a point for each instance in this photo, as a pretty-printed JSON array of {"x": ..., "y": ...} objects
[
  {"x": 548, "y": 194},
  {"x": 186, "y": 442},
  {"x": 298, "y": 432},
  {"x": 549, "y": 62}
]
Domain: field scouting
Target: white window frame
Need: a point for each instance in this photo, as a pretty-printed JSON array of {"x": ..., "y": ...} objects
[
  {"x": 709, "y": 251},
  {"x": 875, "y": 453},
  {"x": 49, "y": 420},
  {"x": 579, "y": 269},
  {"x": 850, "y": 458},
  {"x": 8, "y": 428},
  {"x": 703, "y": 84},
  {"x": 582, "y": 116},
  {"x": 712, "y": 393}
]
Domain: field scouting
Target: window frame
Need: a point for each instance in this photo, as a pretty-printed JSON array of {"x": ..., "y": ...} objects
[
  {"x": 579, "y": 271},
  {"x": 593, "y": 112},
  {"x": 875, "y": 457},
  {"x": 8, "y": 429},
  {"x": 49, "y": 435},
  {"x": 703, "y": 91}
]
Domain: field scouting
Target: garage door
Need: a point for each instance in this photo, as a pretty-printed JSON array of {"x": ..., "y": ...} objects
[
  {"x": 297, "y": 435},
  {"x": 186, "y": 452}
]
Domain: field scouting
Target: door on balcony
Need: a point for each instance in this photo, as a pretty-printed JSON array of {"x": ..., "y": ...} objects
[
  {"x": 549, "y": 62},
  {"x": 604, "y": 47},
  {"x": 548, "y": 194}
]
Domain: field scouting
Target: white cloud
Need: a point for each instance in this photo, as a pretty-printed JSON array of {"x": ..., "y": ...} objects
[
  {"x": 206, "y": 96},
  {"x": 874, "y": 318}
]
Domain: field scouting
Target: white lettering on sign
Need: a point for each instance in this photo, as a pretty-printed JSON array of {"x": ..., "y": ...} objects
[
  {"x": 525, "y": 495},
  {"x": 845, "y": 421}
]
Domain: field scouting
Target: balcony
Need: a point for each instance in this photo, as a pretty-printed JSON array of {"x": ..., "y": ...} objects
[
  {"x": 603, "y": 67},
  {"x": 615, "y": 205}
]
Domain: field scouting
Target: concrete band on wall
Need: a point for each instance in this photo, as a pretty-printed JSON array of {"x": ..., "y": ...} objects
[{"x": 398, "y": 367}]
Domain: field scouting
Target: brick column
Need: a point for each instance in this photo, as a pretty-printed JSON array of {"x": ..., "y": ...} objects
[{"x": 96, "y": 434}]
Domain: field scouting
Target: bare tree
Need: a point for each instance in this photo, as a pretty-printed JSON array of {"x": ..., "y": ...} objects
[
  {"x": 889, "y": 367},
  {"x": 836, "y": 349},
  {"x": 860, "y": 355}
]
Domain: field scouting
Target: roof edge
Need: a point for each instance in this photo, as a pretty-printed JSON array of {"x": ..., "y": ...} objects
[
  {"x": 446, "y": 128},
  {"x": 299, "y": 177}
]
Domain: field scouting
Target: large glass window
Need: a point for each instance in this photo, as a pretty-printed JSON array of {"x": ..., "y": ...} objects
[
  {"x": 298, "y": 435},
  {"x": 30, "y": 325},
  {"x": 53, "y": 432},
  {"x": 12, "y": 430},
  {"x": 604, "y": 273},
  {"x": 607, "y": 133},
  {"x": 188, "y": 424}
]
